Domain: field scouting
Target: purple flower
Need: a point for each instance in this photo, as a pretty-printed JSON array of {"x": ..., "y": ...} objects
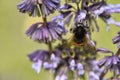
[
  {"x": 88, "y": 13},
  {"x": 103, "y": 50},
  {"x": 62, "y": 74},
  {"x": 112, "y": 63},
  {"x": 116, "y": 40},
  {"x": 53, "y": 64},
  {"x": 64, "y": 17},
  {"x": 37, "y": 66},
  {"x": 93, "y": 76},
  {"x": 93, "y": 69},
  {"x": 29, "y": 6},
  {"x": 45, "y": 33},
  {"x": 68, "y": 14},
  {"x": 108, "y": 8},
  {"x": 80, "y": 69},
  {"x": 61, "y": 77},
  {"x": 38, "y": 7},
  {"x": 80, "y": 15},
  {"x": 44, "y": 58},
  {"x": 70, "y": 59},
  {"x": 78, "y": 66},
  {"x": 104, "y": 11},
  {"x": 49, "y": 6},
  {"x": 37, "y": 57},
  {"x": 72, "y": 65}
]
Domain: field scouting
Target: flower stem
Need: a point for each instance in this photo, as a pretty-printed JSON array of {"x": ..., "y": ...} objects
[
  {"x": 50, "y": 47},
  {"x": 118, "y": 52},
  {"x": 44, "y": 20},
  {"x": 103, "y": 74},
  {"x": 44, "y": 17},
  {"x": 114, "y": 73},
  {"x": 84, "y": 4},
  {"x": 84, "y": 76},
  {"x": 75, "y": 75},
  {"x": 78, "y": 6}
]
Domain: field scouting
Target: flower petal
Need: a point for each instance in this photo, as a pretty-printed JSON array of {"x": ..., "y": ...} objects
[{"x": 37, "y": 66}]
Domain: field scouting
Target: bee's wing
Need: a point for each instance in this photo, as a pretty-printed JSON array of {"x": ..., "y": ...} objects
[{"x": 91, "y": 44}]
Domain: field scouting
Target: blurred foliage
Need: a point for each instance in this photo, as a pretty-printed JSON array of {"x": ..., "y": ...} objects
[{"x": 15, "y": 46}]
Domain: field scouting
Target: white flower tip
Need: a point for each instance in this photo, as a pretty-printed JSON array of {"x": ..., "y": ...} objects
[
  {"x": 37, "y": 66},
  {"x": 117, "y": 24},
  {"x": 112, "y": 21},
  {"x": 61, "y": 23},
  {"x": 72, "y": 62},
  {"x": 79, "y": 66},
  {"x": 72, "y": 65},
  {"x": 52, "y": 56},
  {"x": 57, "y": 78},
  {"x": 62, "y": 77},
  {"x": 108, "y": 28},
  {"x": 46, "y": 65},
  {"x": 81, "y": 72},
  {"x": 93, "y": 76}
]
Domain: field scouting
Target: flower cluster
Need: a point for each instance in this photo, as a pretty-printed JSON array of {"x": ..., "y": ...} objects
[
  {"x": 45, "y": 32},
  {"x": 38, "y": 7},
  {"x": 74, "y": 58},
  {"x": 90, "y": 13},
  {"x": 44, "y": 58}
]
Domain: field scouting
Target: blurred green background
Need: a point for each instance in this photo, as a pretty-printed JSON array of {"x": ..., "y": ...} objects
[{"x": 15, "y": 46}]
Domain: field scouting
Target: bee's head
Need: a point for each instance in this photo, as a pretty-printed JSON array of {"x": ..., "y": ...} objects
[{"x": 79, "y": 25}]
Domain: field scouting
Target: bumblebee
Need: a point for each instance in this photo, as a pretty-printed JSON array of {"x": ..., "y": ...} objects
[{"x": 79, "y": 37}]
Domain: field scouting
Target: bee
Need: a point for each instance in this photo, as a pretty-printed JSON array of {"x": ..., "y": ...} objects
[
  {"x": 80, "y": 34},
  {"x": 81, "y": 38}
]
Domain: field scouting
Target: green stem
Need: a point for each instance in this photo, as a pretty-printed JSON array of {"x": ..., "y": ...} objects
[
  {"x": 118, "y": 52},
  {"x": 76, "y": 75},
  {"x": 78, "y": 6},
  {"x": 50, "y": 47},
  {"x": 44, "y": 17},
  {"x": 66, "y": 1},
  {"x": 84, "y": 3},
  {"x": 103, "y": 74},
  {"x": 44, "y": 20},
  {"x": 114, "y": 72},
  {"x": 84, "y": 76}
]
